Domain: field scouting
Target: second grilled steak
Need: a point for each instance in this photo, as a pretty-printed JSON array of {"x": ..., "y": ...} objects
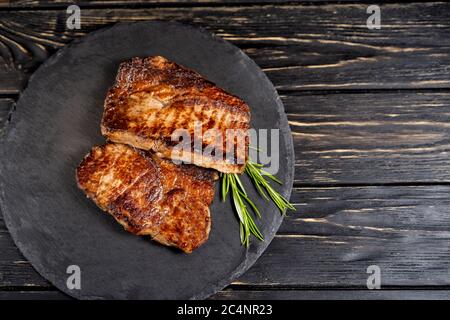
[
  {"x": 152, "y": 97},
  {"x": 148, "y": 195}
]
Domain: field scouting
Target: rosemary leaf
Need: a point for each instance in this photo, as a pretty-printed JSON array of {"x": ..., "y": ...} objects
[{"x": 240, "y": 199}]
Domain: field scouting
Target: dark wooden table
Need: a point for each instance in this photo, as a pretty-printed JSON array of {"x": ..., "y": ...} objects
[{"x": 370, "y": 117}]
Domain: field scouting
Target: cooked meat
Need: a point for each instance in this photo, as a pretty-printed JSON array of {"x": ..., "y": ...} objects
[
  {"x": 153, "y": 97},
  {"x": 149, "y": 195}
]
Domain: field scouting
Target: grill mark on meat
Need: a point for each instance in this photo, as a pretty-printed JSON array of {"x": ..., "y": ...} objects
[
  {"x": 148, "y": 195},
  {"x": 152, "y": 97}
]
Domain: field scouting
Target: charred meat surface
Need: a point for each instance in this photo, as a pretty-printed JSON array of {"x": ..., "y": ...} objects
[
  {"x": 152, "y": 97},
  {"x": 148, "y": 195}
]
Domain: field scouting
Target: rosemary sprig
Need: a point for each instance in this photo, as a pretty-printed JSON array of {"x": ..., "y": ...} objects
[
  {"x": 257, "y": 174},
  {"x": 240, "y": 199}
]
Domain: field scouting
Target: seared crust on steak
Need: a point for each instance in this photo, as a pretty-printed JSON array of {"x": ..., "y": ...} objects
[
  {"x": 148, "y": 195},
  {"x": 152, "y": 97}
]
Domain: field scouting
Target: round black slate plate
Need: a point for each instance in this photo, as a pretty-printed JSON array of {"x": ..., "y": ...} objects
[{"x": 56, "y": 123}]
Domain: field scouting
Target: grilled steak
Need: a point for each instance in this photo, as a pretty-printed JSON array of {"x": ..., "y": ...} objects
[
  {"x": 152, "y": 97},
  {"x": 148, "y": 195}
]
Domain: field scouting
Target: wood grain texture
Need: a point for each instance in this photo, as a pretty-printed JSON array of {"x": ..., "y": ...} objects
[
  {"x": 15, "y": 270},
  {"x": 331, "y": 295},
  {"x": 332, "y": 239},
  {"x": 270, "y": 295},
  {"x": 139, "y": 3},
  {"x": 300, "y": 47},
  {"x": 370, "y": 138},
  {"x": 32, "y": 295},
  {"x": 338, "y": 232}
]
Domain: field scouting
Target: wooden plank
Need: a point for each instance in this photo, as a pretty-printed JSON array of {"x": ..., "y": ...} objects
[
  {"x": 271, "y": 295},
  {"x": 139, "y": 3},
  {"x": 300, "y": 47},
  {"x": 370, "y": 138},
  {"x": 332, "y": 295},
  {"x": 338, "y": 232},
  {"x": 329, "y": 243},
  {"x": 33, "y": 295},
  {"x": 15, "y": 271}
]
